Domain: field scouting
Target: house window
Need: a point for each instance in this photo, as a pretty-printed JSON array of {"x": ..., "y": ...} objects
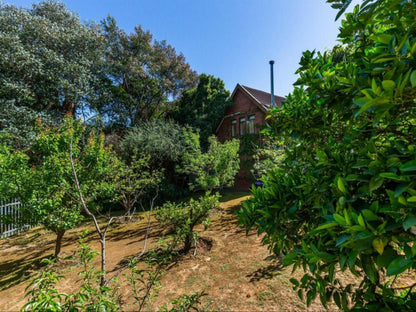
[
  {"x": 233, "y": 128},
  {"x": 242, "y": 126},
  {"x": 251, "y": 124}
]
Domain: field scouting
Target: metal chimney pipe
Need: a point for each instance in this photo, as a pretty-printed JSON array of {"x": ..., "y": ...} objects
[{"x": 271, "y": 83}]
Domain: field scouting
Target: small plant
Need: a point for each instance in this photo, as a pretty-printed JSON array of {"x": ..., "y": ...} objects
[
  {"x": 183, "y": 217},
  {"x": 144, "y": 283},
  {"x": 91, "y": 296},
  {"x": 186, "y": 303},
  {"x": 43, "y": 295},
  {"x": 42, "y": 292}
]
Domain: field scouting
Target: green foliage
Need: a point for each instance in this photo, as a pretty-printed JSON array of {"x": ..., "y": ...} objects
[
  {"x": 133, "y": 179},
  {"x": 45, "y": 184},
  {"x": 266, "y": 158},
  {"x": 343, "y": 196},
  {"x": 42, "y": 292},
  {"x": 91, "y": 296},
  {"x": 214, "y": 169},
  {"x": 14, "y": 173},
  {"x": 43, "y": 295},
  {"x": 145, "y": 75},
  {"x": 161, "y": 139},
  {"x": 18, "y": 124},
  {"x": 185, "y": 303},
  {"x": 203, "y": 107},
  {"x": 183, "y": 217},
  {"x": 49, "y": 59}
]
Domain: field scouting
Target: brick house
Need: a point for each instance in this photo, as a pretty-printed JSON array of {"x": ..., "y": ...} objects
[{"x": 246, "y": 116}]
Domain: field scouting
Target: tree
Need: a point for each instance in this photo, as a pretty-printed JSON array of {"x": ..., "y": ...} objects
[
  {"x": 53, "y": 200},
  {"x": 343, "y": 196},
  {"x": 211, "y": 170},
  {"x": 203, "y": 107},
  {"x": 183, "y": 217},
  {"x": 133, "y": 179},
  {"x": 145, "y": 74},
  {"x": 163, "y": 141},
  {"x": 49, "y": 59}
]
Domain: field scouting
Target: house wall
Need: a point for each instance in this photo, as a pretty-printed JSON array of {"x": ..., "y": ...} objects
[{"x": 244, "y": 107}]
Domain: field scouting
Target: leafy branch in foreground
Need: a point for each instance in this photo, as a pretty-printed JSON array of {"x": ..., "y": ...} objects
[{"x": 343, "y": 199}]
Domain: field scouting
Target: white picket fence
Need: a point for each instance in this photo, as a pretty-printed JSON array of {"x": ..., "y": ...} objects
[{"x": 10, "y": 208}]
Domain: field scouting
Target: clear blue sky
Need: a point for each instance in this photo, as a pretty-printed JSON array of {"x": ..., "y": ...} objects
[{"x": 230, "y": 39}]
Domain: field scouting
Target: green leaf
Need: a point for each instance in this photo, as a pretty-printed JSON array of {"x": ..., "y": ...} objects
[
  {"x": 398, "y": 266},
  {"x": 340, "y": 219},
  {"x": 375, "y": 183},
  {"x": 369, "y": 215},
  {"x": 386, "y": 258},
  {"x": 341, "y": 185},
  {"x": 289, "y": 259},
  {"x": 361, "y": 221},
  {"x": 393, "y": 176},
  {"x": 377, "y": 102},
  {"x": 326, "y": 226},
  {"x": 409, "y": 222},
  {"x": 378, "y": 245},
  {"x": 388, "y": 85},
  {"x": 369, "y": 268},
  {"x": 411, "y": 199},
  {"x": 295, "y": 282},
  {"x": 413, "y": 79},
  {"x": 408, "y": 166}
]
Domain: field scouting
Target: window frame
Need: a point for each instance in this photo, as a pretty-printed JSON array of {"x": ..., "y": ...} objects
[
  {"x": 250, "y": 124},
  {"x": 242, "y": 126}
]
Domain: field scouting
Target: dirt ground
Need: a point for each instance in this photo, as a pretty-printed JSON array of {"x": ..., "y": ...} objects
[{"x": 234, "y": 269}]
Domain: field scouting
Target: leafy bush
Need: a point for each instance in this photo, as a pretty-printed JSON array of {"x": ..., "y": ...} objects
[
  {"x": 183, "y": 217},
  {"x": 43, "y": 295},
  {"x": 185, "y": 303},
  {"x": 344, "y": 198},
  {"x": 214, "y": 169}
]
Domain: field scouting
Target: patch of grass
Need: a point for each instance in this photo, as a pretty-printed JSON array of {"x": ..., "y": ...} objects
[{"x": 266, "y": 295}]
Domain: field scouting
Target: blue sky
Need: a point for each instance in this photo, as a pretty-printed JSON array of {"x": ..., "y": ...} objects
[{"x": 230, "y": 39}]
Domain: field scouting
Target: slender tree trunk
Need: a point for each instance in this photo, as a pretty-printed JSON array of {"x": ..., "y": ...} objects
[
  {"x": 68, "y": 108},
  {"x": 58, "y": 244},
  {"x": 103, "y": 269},
  {"x": 188, "y": 243},
  {"x": 188, "y": 238}
]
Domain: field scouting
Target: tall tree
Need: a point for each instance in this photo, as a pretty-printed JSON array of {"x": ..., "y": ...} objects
[
  {"x": 49, "y": 59},
  {"x": 203, "y": 107},
  {"x": 146, "y": 75}
]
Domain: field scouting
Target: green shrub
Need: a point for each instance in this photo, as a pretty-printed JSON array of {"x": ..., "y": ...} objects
[{"x": 183, "y": 217}]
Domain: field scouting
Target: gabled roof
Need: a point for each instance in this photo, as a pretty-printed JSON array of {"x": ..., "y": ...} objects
[{"x": 262, "y": 99}]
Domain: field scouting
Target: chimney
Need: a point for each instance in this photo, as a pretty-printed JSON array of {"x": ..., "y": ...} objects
[{"x": 271, "y": 84}]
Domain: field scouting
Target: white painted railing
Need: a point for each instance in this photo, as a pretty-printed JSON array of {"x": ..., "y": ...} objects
[{"x": 9, "y": 212}]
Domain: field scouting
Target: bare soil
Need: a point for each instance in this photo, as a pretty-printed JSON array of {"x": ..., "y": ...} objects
[{"x": 234, "y": 269}]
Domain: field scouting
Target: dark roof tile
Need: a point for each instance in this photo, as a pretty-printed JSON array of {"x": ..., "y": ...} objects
[{"x": 264, "y": 98}]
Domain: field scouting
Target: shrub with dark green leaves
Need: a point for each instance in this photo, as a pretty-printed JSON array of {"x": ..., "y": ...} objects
[
  {"x": 344, "y": 197},
  {"x": 183, "y": 217}
]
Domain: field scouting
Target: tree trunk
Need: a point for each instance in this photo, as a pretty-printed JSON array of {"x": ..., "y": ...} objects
[
  {"x": 103, "y": 272},
  {"x": 188, "y": 243},
  {"x": 188, "y": 238},
  {"x": 68, "y": 108},
  {"x": 58, "y": 244}
]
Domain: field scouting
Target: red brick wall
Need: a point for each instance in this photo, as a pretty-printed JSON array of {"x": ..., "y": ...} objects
[{"x": 243, "y": 107}]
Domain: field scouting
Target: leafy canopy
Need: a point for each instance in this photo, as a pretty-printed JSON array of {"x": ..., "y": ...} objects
[
  {"x": 344, "y": 195},
  {"x": 203, "y": 107}
]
